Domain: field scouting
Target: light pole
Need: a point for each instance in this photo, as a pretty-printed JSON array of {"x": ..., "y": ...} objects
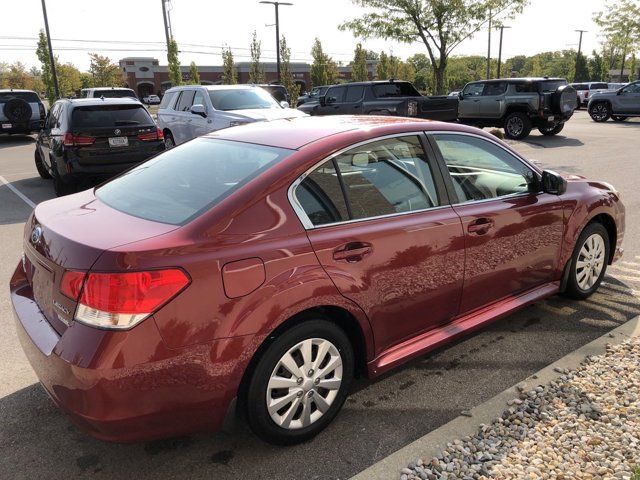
[
  {"x": 277, "y": 4},
  {"x": 489, "y": 47},
  {"x": 502, "y": 27},
  {"x": 51, "y": 57},
  {"x": 579, "y": 52},
  {"x": 166, "y": 24}
]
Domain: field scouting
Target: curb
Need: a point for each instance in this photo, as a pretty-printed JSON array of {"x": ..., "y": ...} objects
[{"x": 434, "y": 442}]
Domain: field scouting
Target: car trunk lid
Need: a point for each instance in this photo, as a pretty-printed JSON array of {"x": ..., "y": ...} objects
[{"x": 70, "y": 233}]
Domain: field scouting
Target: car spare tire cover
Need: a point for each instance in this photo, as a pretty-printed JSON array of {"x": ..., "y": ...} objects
[
  {"x": 17, "y": 110},
  {"x": 564, "y": 100}
]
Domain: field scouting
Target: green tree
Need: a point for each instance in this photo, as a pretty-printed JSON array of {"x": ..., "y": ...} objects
[
  {"x": 319, "y": 75},
  {"x": 359, "y": 65},
  {"x": 406, "y": 72},
  {"x": 441, "y": 25},
  {"x": 286, "y": 75},
  {"x": 333, "y": 74},
  {"x": 18, "y": 77},
  {"x": 42, "y": 51},
  {"x": 69, "y": 79},
  {"x": 194, "y": 76},
  {"x": 87, "y": 80},
  {"x": 175, "y": 72},
  {"x": 105, "y": 73},
  {"x": 620, "y": 25},
  {"x": 394, "y": 65},
  {"x": 229, "y": 74},
  {"x": 382, "y": 68},
  {"x": 256, "y": 71},
  {"x": 597, "y": 67}
]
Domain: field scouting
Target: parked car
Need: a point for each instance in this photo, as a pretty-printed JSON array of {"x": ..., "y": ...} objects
[
  {"x": 619, "y": 105},
  {"x": 151, "y": 100},
  {"x": 583, "y": 90},
  {"x": 92, "y": 139},
  {"x": 21, "y": 111},
  {"x": 313, "y": 96},
  {"x": 269, "y": 263},
  {"x": 389, "y": 97},
  {"x": 108, "y": 92},
  {"x": 518, "y": 105},
  {"x": 187, "y": 112},
  {"x": 278, "y": 92}
]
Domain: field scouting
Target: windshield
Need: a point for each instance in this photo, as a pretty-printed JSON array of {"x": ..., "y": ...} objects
[
  {"x": 97, "y": 116},
  {"x": 182, "y": 183},
  {"x": 30, "y": 97},
  {"x": 242, "y": 99}
]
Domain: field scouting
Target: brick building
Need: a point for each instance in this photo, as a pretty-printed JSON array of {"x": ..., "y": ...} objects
[{"x": 146, "y": 76}]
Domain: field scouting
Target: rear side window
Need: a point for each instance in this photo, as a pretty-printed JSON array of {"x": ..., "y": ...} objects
[
  {"x": 354, "y": 93},
  {"x": 167, "y": 100},
  {"x": 320, "y": 195},
  {"x": 30, "y": 97},
  {"x": 495, "y": 88},
  {"x": 551, "y": 85},
  {"x": 182, "y": 183},
  {"x": 526, "y": 87},
  {"x": 97, "y": 116},
  {"x": 395, "y": 89}
]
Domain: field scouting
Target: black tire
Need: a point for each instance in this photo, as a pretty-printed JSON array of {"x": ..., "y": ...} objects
[
  {"x": 258, "y": 416},
  {"x": 619, "y": 118},
  {"x": 17, "y": 110},
  {"x": 578, "y": 103},
  {"x": 517, "y": 126},
  {"x": 169, "y": 142},
  {"x": 573, "y": 289},
  {"x": 60, "y": 187},
  {"x": 600, "y": 111},
  {"x": 40, "y": 166},
  {"x": 551, "y": 131}
]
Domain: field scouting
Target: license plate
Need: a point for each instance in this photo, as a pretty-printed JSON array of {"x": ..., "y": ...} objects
[
  {"x": 6, "y": 125},
  {"x": 118, "y": 142}
]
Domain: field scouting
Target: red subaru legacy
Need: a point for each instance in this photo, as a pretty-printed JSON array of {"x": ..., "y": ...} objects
[{"x": 269, "y": 263}]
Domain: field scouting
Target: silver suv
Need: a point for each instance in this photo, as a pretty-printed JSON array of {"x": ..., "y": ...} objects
[
  {"x": 21, "y": 111},
  {"x": 619, "y": 104},
  {"x": 518, "y": 105}
]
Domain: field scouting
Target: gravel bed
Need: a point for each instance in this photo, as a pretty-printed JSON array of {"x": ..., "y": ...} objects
[{"x": 585, "y": 424}]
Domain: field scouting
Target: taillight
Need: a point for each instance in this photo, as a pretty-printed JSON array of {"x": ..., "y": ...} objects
[
  {"x": 157, "y": 135},
  {"x": 122, "y": 300},
  {"x": 71, "y": 140},
  {"x": 71, "y": 284},
  {"x": 43, "y": 114},
  {"x": 586, "y": 94}
]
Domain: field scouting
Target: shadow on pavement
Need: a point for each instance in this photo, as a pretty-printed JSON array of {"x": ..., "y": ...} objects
[
  {"x": 7, "y": 141},
  {"x": 552, "y": 142}
]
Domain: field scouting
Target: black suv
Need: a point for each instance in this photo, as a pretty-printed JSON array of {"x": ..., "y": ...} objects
[
  {"x": 89, "y": 140},
  {"x": 21, "y": 111},
  {"x": 518, "y": 105}
]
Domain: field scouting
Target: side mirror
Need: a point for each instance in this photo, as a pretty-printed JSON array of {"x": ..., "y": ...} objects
[
  {"x": 553, "y": 183},
  {"x": 198, "y": 109},
  {"x": 284, "y": 104},
  {"x": 322, "y": 101},
  {"x": 460, "y": 96}
]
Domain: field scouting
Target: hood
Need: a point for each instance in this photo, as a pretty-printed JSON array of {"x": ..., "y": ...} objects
[
  {"x": 264, "y": 114},
  {"x": 603, "y": 94}
]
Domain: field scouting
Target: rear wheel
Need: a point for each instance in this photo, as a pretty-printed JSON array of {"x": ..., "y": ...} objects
[
  {"x": 517, "y": 126},
  {"x": 40, "y": 166},
  {"x": 553, "y": 130},
  {"x": 300, "y": 383},
  {"x": 169, "y": 142},
  {"x": 588, "y": 262},
  {"x": 600, "y": 111},
  {"x": 619, "y": 118},
  {"x": 61, "y": 187}
]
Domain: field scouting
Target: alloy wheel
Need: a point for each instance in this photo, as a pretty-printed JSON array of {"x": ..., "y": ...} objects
[
  {"x": 600, "y": 112},
  {"x": 515, "y": 126},
  {"x": 304, "y": 383},
  {"x": 590, "y": 261}
]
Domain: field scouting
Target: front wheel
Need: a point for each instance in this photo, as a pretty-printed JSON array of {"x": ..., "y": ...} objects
[
  {"x": 300, "y": 383},
  {"x": 588, "y": 262},
  {"x": 553, "y": 130},
  {"x": 517, "y": 126},
  {"x": 600, "y": 112}
]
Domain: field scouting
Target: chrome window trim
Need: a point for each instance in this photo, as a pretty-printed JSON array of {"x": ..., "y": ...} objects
[{"x": 302, "y": 215}]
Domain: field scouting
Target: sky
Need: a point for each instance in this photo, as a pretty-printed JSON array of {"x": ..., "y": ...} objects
[{"x": 202, "y": 27}]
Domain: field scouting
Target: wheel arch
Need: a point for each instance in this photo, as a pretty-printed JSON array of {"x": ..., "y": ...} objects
[{"x": 609, "y": 224}]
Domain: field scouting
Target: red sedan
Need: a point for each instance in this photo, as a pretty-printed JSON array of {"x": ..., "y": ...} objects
[{"x": 270, "y": 263}]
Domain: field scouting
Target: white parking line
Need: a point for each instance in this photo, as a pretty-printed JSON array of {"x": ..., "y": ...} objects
[{"x": 17, "y": 192}]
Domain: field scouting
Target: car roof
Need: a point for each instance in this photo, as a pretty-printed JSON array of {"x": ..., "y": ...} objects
[
  {"x": 19, "y": 90},
  {"x": 298, "y": 132},
  {"x": 520, "y": 79},
  {"x": 82, "y": 102},
  {"x": 107, "y": 88},
  {"x": 213, "y": 87}
]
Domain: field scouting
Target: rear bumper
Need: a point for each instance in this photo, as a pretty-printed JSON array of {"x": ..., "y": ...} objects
[
  {"x": 26, "y": 128},
  {"x": 127, "y": 386}
]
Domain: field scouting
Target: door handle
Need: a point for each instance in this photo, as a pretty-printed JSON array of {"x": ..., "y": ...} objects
[
  {"x": 480, "y": 226},
  {"x": 353, "y": 251}
]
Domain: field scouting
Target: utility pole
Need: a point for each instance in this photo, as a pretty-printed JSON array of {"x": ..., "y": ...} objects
[
  {"x": 502, "y": 27},
  {"x": 489, "y": 48},
  {"x": 51, "y": 57},
  {"x": 579, "y": 50},
  {"x": 276, "y": 5},
  {"x": 166, "y": 24}
]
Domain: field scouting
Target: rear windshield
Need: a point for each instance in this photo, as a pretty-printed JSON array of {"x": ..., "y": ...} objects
[
  {"x": 30, "y": 97},
  {"x": 110, "y": 116},
  {"x": 396, "y": 89},
  {"x": 580, "y": 86},
  {"x": 109, "y": 93},
  {"x": 551, "y": 85},
  {"x": 242, "y": 99},
  {"x": 599, "y": 86},
  {"x": 182, "y": 183}
]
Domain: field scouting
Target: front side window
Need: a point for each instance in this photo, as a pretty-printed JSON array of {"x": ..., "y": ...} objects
[
  {"x": 336, "y": 94},
  {"x": 185, "y": 101},
  {"x": 182, "y": 183},
  {"x": 495, "y": 88},
  {"x": 321, "y": 197},
  {"x": 354, "y": 93},
  {"x": 482, "y": 170},
  {"x": 199, "y": 98},
  {"x": 632, "y": 88},
  {"x": 473, "y": 90},
  {"x": 167, "y": 100}
]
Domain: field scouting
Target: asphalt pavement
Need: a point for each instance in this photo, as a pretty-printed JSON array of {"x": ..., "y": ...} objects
[{"x": 38, "y": 441}]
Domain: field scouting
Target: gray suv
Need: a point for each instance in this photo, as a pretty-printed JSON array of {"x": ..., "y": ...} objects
[
  {"x": 619, "y": 104},
  {"x": 518, "y": 105},
  {"x": 21, "y": 111}
]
